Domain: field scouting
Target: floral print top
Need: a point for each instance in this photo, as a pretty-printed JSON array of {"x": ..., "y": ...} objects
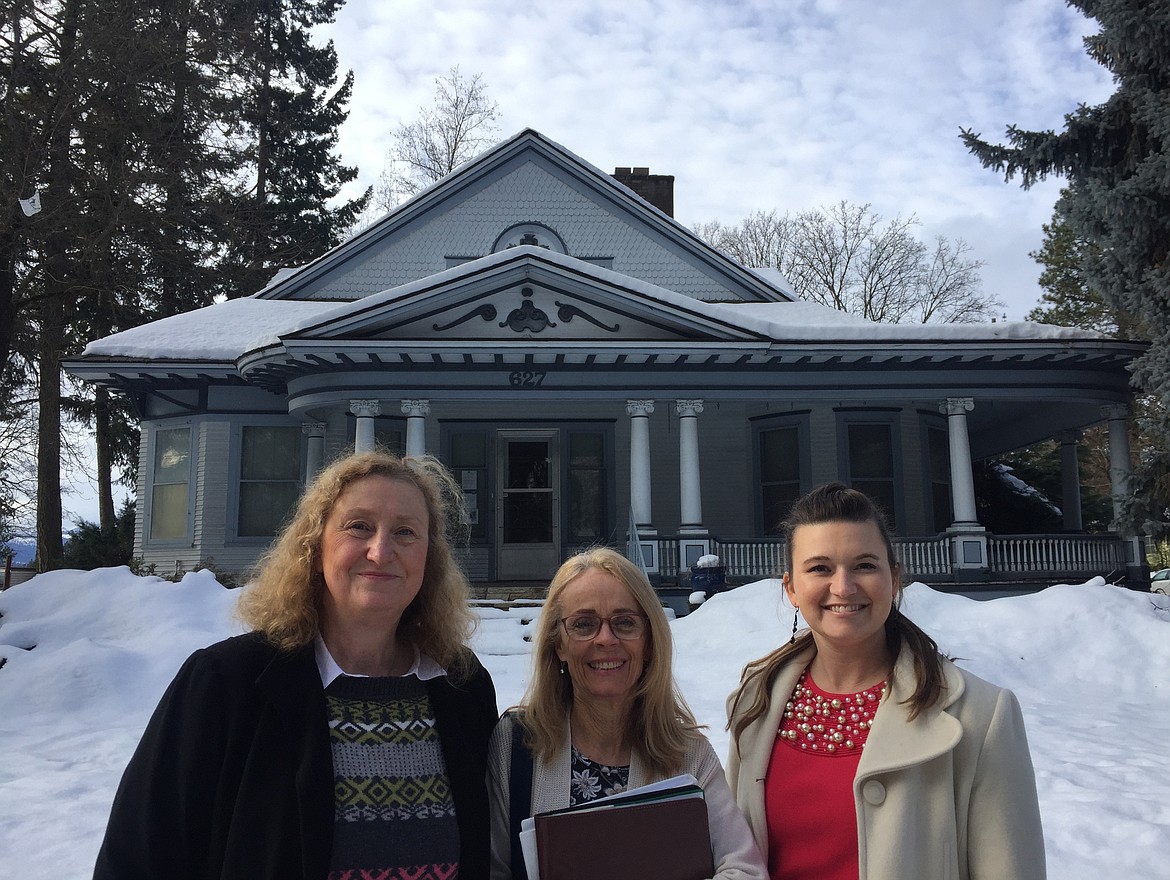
[{"x": 591, "y": 780}]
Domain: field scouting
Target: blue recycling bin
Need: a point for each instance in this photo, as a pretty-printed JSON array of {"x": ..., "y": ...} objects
[{"x": 711, "y": 579}]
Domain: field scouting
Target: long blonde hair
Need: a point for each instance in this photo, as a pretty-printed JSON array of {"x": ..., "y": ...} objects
[
  {"x": 836, "y": 502},
  {"x": 283, "y": 598},
  {"x": 661, "y": 724}
]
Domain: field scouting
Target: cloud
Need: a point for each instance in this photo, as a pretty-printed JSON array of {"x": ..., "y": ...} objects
[{"x": 754, "y": 104}]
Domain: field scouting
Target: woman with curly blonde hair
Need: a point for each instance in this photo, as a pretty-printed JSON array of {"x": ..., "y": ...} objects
[
  {"x": 603, "y": 713},
  {"x": 283, "y": 599},
  {"x": 346, "y": 735}
]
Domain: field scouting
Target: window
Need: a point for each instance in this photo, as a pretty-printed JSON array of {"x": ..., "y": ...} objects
[
  {"x": 871, "y": 464},
  {"x": 389, "y": 440},
  {"x": 779, "y": 459},
  {"x": 587, "y": 497},
  {"x": 939, "y": 456},
  {"x": 170, "y": 484},
  {"x": 533, "y": 234},
  {"x": 270, "y": 471}
]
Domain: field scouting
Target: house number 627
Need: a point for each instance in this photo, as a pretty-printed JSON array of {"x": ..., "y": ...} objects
[{"x": 526, "y": 378}]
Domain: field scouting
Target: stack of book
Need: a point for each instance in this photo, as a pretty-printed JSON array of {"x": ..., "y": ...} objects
[{"x": 657, "y": 831}]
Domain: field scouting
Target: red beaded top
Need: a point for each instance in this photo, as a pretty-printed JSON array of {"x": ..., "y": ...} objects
[{"x": 829, "y": 724}]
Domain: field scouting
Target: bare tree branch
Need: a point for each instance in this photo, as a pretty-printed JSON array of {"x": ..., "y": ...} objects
[
  {"x": 846, "y": 258},
  {"x": 461, "y": 123}
]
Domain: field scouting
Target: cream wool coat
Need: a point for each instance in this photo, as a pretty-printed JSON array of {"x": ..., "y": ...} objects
[
  {"x": 734, "y": 852},
  {"x": 950, "y": 795}
]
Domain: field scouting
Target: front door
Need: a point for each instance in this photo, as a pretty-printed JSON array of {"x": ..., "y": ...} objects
[{"x": 528, "y": 505}]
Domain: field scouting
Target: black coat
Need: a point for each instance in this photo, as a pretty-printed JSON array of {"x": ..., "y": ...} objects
[{"x": 233, "y": 777}]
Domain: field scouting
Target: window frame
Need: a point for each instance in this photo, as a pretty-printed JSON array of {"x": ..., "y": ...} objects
[
  {"x": 157, "y": 428},
  {"x": 800, "y": 421},
  {"x": 891, "y": 419},
  {"x": 235, "y": 474}
]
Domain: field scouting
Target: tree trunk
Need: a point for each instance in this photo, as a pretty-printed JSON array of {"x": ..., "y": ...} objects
[
  {"x": 50, "y": 544},
  {"x": 51, "y": 313},
  {"x": 105, "y": 458}
]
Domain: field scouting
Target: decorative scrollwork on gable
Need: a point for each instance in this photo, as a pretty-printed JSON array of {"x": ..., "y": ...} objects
[
  {"x": 528, "y": 317},
  {"x": 567, "y": 312},
  {"x": 487, "y": 311}
]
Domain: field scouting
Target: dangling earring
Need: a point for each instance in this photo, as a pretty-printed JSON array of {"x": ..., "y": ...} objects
[
  {"x": 564, "y": 666},
  {"x": 792, "y": 641}
]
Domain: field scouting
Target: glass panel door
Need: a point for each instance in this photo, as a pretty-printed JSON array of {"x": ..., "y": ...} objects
[{"x": 529, "y": 505}]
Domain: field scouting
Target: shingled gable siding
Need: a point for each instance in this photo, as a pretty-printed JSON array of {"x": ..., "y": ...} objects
[{"x": 525, "y": 195}]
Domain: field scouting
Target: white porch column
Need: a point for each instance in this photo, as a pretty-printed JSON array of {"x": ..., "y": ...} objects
[
  {"x": 1120, "y": 463},
  {"x": 640, "y": 411},
  {"x": 1070, "y": 480},
  {"x": 366, "y": 411},
  {"x": 690, "y": 491},
  {"x": 315, "y": 454},
  {"x": 416, "y": 412},
  {"x": 962, "y": 480}
]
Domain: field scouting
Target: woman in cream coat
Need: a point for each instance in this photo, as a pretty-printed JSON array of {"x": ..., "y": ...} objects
[{"x": 940, "y": 783}]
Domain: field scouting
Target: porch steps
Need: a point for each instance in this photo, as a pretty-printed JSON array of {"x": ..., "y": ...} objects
[{"x": 508, "y": 593}]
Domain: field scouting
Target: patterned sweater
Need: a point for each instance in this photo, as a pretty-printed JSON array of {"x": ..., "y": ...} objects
[{"x": 395, "y": 816}]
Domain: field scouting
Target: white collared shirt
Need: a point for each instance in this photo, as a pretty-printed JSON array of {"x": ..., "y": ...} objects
[{"x": 424, "y": 667}]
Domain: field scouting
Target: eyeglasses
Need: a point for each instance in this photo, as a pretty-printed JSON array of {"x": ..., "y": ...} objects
[{"x": 583, "y": 627}]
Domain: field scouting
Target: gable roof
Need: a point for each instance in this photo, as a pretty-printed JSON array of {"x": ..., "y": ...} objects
[{"x": 718, "y": 277}]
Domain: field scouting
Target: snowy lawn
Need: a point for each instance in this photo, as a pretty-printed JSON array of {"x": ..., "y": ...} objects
[{"x": 87, "y": 655}]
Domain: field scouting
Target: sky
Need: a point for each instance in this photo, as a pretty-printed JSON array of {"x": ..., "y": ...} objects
[
  {"x": 754, "y": 105},
  {"x": 88, "y": 654}
]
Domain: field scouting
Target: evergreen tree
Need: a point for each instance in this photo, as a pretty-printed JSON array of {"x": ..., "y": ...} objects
[
  {"x": 1116, "y": 157},
  {"x": 1067, "y": 299},
  {"x": 91, "y": 546},
  {"x": 134, "y": 126},
  {"x": 290, "y": 109}
]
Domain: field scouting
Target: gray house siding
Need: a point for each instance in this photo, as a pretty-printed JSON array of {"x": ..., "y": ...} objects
[
  {"x": 823, "y": 440},
  {"x": 913, "y": 463},
  {"x": 470, "y": 226},
  {"x": 212, "y": 495}
]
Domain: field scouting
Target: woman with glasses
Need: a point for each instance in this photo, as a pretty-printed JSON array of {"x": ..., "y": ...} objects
[{"x": 602, "y": 714}]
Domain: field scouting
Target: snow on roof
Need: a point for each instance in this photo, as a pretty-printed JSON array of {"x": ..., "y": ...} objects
[
  {"x": 220, "y": 332},
  {"x": 812, "y": 322},
  {"x": 776, "y": 278},
  {"x": 227, "y": 330}
]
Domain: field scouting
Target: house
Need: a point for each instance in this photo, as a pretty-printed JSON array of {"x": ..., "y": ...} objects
[{"x": 591, "y": 370}]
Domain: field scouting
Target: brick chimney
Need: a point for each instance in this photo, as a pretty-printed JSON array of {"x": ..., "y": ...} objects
[{"x": 657, "y": 189}]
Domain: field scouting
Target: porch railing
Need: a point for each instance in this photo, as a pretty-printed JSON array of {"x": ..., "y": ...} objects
[
  {"x": 748, "y": 558},
  {"x": 924, "y": 557},
  {"x": 1057, "y": 554},
  {"x": 1011, "y": 558}
]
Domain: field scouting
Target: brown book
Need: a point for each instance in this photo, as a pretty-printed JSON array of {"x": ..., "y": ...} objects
[{"x": 660, "y": 839}]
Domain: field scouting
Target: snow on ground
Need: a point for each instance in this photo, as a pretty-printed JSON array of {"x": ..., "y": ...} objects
[{"x": 87, "y": 655}]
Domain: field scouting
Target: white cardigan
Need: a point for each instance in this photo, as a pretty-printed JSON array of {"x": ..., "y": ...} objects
[{"x": 735, "y": 853}]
